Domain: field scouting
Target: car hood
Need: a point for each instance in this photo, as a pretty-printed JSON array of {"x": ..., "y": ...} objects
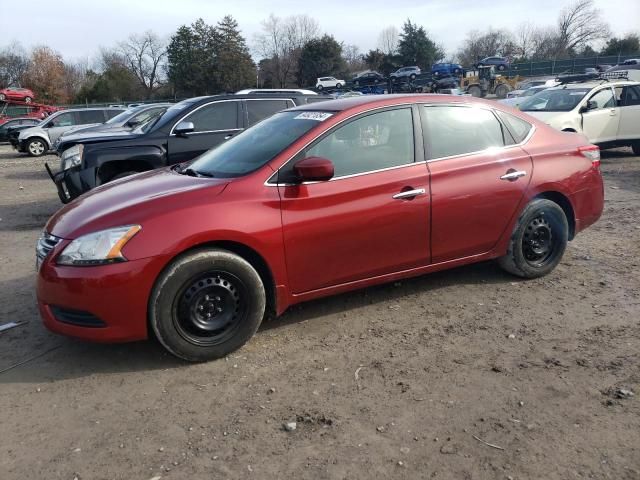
[
  {"x": 131, "y": 200},
  {"x": 31, "y": 130},
  {"x": 545, "y": 117},
  {"x": 96, "y": 134}
]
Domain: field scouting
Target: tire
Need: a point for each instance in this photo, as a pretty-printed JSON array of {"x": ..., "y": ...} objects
[
  {"x": 538, "y": 241},
  {"x": 502, "y": 90},
  {"x": 636, "y": 148},
  {"x": 36, "y": 147},
  {"x": 502, "y": 67},
  {"x": 3, "y": 97},
  {"x": 412, "y": 76},
  {"x": 27, "y": 99},
  {"x": 217, "y": 281},
  {"x": 475, "y": 91},
  {"x": 319, "y": 88},
  {"x": 338, "y": 85}
]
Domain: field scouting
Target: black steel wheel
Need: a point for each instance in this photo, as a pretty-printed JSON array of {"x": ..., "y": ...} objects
[
  {"x": 538, "y": 241},
  {"x": 210, "y": 307},
  {"x": 207, "y": 304}
]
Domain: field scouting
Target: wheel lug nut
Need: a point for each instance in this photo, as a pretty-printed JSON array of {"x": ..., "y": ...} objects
[
  {"x": 201, "y": 307},
  {"x": 208, "y": 315},
  {"x": 217, "y": 299},
  {"x": 219, "y": 309}
]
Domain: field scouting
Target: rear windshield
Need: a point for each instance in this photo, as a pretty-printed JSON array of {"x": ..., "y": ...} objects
[
  {"x": 257, "y": 145},
  {"x": 562, "y": 100}
]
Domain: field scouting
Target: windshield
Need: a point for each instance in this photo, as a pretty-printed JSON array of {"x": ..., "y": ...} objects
[
  {"x": 562, "y": 100},
  {"x": 121, "y": 117},
  {"x": 258, "y": 145}
]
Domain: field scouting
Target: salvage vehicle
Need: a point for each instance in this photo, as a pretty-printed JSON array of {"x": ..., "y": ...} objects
[
  {"x": 16, "y": 93},
  {"x": 125, "y": 121},
  {"x": 369, "y": 77},
  {"x": 13, "y": 109},
  {"x": 313, "y": 201},
  {"x": 515, "y": 101},
  {"x": 405, "y": 73},
  {"x": 10, "y": 125},
  {"x": 606, "y": 110},
  {"x": 38, "y": 140},
  {"x": 501, "y": 63},
  {"x": 328, "y": 82},
  {"x": 186, "y": 130},
  {"x": 446, "y": 69}
]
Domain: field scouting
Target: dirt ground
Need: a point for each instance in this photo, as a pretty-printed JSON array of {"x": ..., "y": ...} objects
[{"x": 465, "y": 374}]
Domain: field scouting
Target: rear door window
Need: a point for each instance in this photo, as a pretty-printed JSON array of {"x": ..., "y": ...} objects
[
  {"x": 214, "y": 117},
  {"x": 519, "y": 128},
  {"x": 90, "y": 116},
  {"x": 258, "y": 110},
  {"x": 454, "y": 130},
  {"x": 631, "y": 95}
]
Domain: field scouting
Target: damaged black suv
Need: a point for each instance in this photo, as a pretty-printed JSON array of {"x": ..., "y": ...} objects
[{"x": 186, "y": 130}]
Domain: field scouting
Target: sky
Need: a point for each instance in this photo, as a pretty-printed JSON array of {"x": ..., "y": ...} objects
[{"x": 77, "y": 28}]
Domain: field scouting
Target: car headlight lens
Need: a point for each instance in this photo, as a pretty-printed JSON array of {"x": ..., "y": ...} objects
[
  {"x": 98, "y": 248},
  {"x": 71, "y": 157}
]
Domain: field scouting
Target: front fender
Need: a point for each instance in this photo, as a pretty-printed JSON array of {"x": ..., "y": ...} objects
[{"x": 152, "y": 155}]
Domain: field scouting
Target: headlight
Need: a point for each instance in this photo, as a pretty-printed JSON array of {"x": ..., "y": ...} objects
[
  {"x": 98, "y": 248},
  {"x": 71, "y": 157}
]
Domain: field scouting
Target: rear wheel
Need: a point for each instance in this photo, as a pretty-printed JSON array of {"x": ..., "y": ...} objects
[
  {"x": 538, "y": 241},
  {"x": 27, "y": 99},
  {"x": 207, "y": 304},
  {"x": 319, "y": 87},
  {"x": 338, "y": 85},
  {"x": 36, "y": 147},
  {"x": 412, "y": 76},
  {"x": 502, "y": 67}
]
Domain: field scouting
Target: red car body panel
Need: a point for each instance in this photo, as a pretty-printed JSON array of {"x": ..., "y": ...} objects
[{"x": 315, "y": 239}]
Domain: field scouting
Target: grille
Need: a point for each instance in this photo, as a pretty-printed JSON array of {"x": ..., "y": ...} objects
[{"x": 45, "y": 244}]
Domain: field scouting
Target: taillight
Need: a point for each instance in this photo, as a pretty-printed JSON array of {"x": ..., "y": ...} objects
[{"x": 591, "y": 152}]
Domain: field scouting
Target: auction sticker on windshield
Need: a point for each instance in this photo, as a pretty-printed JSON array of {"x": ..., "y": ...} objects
[{"x": 319, "y": 116}]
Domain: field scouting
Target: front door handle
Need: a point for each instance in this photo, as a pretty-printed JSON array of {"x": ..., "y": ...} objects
[
  {"x": 512, "y": 175},
  {"x": 409, "y": 193},
  {"x": 613, "y": 112}
]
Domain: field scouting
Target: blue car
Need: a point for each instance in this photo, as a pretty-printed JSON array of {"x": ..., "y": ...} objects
[
  {"x": 500, "y": 63},
  {"x": 446, "y": 69}
]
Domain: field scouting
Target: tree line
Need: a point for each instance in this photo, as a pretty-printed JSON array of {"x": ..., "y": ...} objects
[{"x": 202, "y": 58}]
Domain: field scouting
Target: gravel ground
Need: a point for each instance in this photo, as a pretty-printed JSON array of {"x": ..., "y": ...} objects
[{"x": 465, "y": 374}]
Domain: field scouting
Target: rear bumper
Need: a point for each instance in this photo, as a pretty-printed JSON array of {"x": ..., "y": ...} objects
[
  {"x": 589, "y": 204},
  {"x": 102, "y": 304}
]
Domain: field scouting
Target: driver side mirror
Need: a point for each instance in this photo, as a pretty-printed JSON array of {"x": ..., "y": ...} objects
[
  {"x": 591, "y": 105},
  {"x": 313, "y": 169},
  {"x": 183, "y": 128}
]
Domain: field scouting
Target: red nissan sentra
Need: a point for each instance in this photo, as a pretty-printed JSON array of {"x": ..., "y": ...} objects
[{"x": 313, "y": 201}]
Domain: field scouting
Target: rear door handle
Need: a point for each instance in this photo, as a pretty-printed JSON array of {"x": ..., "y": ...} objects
[
  {"x": 513, "y": 175},
  {"x": 409, "y": 193}
]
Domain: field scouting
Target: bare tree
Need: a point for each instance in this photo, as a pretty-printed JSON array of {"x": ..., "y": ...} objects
[
  {"x": 388, "y": 40},
  {"x": 484, "y": 44},
  {"x": 580, "y": 24},
  {"x": 143, "y": 55},
  {"x": 14, "y": 63},
  {"x": 545, "y": 43},
  {"x": 281, "y": 42},
  {"x": 524, "y": 39},
  {"x": 353, "y": 58}
]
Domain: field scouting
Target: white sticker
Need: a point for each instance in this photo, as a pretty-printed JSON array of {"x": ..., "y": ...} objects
[{"x": 318, "y": 116}]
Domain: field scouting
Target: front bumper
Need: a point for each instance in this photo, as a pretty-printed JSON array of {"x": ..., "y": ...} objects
[
  {"x": 102, "y": 304},
  {"x": 73, "y": 182}
]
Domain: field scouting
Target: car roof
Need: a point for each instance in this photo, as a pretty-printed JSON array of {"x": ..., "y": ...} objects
[
  {"x": 387, "y": 100},
  {"x": 592, "y": 84}
]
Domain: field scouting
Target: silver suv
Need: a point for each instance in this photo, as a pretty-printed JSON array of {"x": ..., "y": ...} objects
[
  {"x": 410, "y": 72},
  {"x": 38, "y": 140}
]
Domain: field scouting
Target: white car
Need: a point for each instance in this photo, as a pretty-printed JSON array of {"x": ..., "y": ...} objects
[
  {"x": 329, "y": 82},
  {"x": 606, "y": 112}
]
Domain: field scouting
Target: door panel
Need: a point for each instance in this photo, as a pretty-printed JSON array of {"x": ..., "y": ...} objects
[
  {"x": 601, "y": 124},
  {"x": 214, "y": 123},
  {"x": 352, "y": 228},
  {"x": 629, "y": 128},
  {"x": 471, "y": 206}
]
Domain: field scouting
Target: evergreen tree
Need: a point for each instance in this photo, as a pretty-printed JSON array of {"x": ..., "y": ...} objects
[
  {"x": 320, "y": 57},
  {"x": 234, "y": 67},
  {"x": 416, "y": 48}
]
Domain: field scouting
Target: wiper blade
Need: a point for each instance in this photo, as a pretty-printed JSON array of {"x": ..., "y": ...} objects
[{"x": 194, "y": 173}]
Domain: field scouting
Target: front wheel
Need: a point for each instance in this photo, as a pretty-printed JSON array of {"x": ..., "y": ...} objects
[
  {"x": 538, "y": 241},
  {"x": 338, "y": 85},
  {"x": 36, "y": 147},
  {"x": 475, "y": 91},
  {"x": 207, "y": 304},
  {"x": 319, "y": 87}
]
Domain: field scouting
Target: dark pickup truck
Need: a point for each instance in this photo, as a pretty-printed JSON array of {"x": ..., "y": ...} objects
[{"x": 186, "y": 130}]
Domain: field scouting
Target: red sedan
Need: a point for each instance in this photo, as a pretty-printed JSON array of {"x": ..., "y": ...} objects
[
  {"x": 316, "y": 200},
  {"x": 15, "y": 93}
]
